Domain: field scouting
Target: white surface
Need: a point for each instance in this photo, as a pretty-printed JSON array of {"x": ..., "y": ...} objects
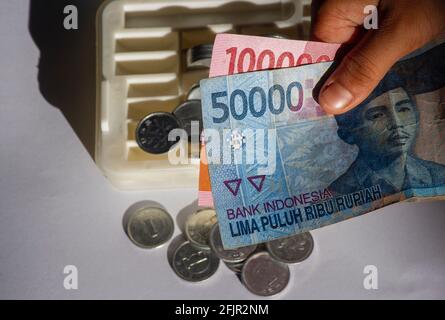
[{"x": 57, "y": 209}]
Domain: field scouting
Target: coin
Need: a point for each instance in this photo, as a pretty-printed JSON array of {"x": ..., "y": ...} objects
[
  {"x": 264, "y": 276},
  {"x": 292, "y": 249},
  {"x": 152, "y": 132},
  {"x": 200, "y": 56},
  {"x": 234, "y": 266},
  {"x": 150, "y": 227},
  {"x": 194, "y": 264},
  {"x": 276, "y": 36},
  {"x": 194, "y": 93},
  {"x": 186, "y": 113},
  {"x": 230, "y": 255},
  {"x": 198, "y": 226}
]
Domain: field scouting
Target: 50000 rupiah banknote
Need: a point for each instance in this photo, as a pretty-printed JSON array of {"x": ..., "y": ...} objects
[
  {"x": 234, "y": 53},
  {"x": 279, "y": 165}
]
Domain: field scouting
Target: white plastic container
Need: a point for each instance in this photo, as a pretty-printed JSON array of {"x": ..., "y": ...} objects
[{"x": 141, "y": 70}]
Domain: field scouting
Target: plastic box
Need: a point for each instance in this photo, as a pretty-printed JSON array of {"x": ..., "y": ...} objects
[{"x": 141, "y": 59}]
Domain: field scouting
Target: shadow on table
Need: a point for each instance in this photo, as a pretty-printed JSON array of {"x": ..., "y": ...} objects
[{"x": 67, "y": 66}]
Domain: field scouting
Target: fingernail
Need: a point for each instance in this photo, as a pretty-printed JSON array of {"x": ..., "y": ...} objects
[{"x": 335, "y": 97}]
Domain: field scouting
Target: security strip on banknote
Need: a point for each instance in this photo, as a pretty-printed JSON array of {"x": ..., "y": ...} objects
[{"x": 279, "y": 165}]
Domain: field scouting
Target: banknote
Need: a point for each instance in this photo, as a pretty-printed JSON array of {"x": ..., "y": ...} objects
[
  {"x": 234, "y": 53},
  {"x": 279, "y": 165}
]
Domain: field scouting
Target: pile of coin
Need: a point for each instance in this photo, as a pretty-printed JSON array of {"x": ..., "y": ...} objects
[
  {"x": 263, "y": 269},
  {"x": 193, "y": 260}
]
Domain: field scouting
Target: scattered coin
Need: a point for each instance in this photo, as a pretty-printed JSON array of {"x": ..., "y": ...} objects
[
  {"x": 235, "y": 266},
  {"x": 264, "y": 276},
  {"x": 150, "y": 227},
  {"x": 198, "y": 226},
  {"x": 276, "y": 36},
  {"x": 200, "y": 56},
  {"x": 187, "y": 112},
  {"x": 194, "y": 264},
  {"x": 152, "y": 132},
  {"x": 229, "y": 255},
  {"x": 291, "y": 249},
  {"x": 194, "y": 92}
]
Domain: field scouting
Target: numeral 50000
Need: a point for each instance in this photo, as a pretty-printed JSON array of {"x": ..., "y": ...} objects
[{"x": 240, "y": 102}]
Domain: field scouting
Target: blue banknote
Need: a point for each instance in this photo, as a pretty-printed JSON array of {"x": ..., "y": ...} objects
[{"x": 279, "y": 165}]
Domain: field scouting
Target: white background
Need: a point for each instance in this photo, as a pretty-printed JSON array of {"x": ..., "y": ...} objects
[{"x": 57, "y": 209}]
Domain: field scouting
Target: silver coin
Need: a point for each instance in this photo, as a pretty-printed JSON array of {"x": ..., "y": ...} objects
[
  {"x": 292, "y": 249},
  {"x": 236, "y": 267},
  {"x": 229, "y": 255},
  {"x": 264, "y": 276},
  {"x": 200, "y": 56},
  {"x": 194, "y": 264},
  {"x": 194, "y": 93},
  {"x": 187, "y": 112},
  {"x": 152, "y": 132},
  {"x": 276, "y": 36},
  {"x": 150, "y": 227},
  {"x": 198, "y": 227}
]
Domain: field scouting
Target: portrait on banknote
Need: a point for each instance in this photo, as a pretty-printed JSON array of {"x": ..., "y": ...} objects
[{"x": 385, "y": 127}]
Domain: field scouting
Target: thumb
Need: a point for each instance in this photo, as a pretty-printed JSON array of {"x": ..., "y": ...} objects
[{"x": 361, "y": 70}]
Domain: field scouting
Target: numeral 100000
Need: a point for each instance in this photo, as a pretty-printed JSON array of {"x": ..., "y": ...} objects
[{"x": 266, "y": 60}]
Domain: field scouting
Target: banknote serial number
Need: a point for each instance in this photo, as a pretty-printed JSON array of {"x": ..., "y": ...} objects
[
  {"x": 247, "y": 60},
  {"x": 257, "y": 101}
]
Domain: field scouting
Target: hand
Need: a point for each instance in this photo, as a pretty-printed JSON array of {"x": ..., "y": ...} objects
[{"x": 403, "y": 26}]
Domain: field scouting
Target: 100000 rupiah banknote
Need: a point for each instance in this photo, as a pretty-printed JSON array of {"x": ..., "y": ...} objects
[
  {"x": 234, "y": 53},
  {"x": 279, "y": 165}
]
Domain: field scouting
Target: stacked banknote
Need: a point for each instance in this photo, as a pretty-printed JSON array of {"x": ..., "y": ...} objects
[
  {"x": 279, "y": 165},
  {"x": 234, "y": 53}
]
